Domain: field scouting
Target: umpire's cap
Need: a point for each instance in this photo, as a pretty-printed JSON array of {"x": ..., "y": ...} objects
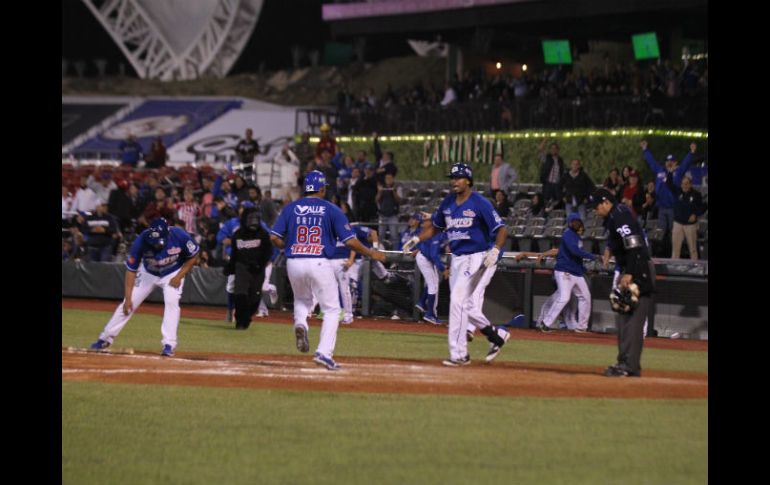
[
  {"x": 314, "y": 181},
  {"x": 461, "y": 170},
  {"x": 599, "y": 196},
  {"x": 158, "y": 232}
]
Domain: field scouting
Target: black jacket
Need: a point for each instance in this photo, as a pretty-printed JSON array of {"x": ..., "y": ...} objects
[
  {"x": 621, "y": 223},
  {"x": 251, "y": 249},
  {"x": 545, "y": 168},
  {"x": 580, "y": 187}
]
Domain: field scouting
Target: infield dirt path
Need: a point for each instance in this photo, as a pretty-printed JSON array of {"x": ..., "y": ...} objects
[{"x": 377, "y": 375}]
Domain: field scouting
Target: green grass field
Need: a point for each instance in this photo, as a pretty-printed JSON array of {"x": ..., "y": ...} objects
[{"x": 173, "y": 434}]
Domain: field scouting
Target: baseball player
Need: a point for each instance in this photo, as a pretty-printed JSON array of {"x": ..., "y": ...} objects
[
  {"x": 368, "y": 237},
  {"x": 160, "y": 257},
  {"x": 225, "y": 237},
  {"x": 308, "y": 229},
  {"x": 476, "y": 234},
  {"x": 342, "y": 260},
  {"x": 569, "y": 275},
  {"x": 428, "y": 260},
  {"x": 251, "y": 250},
  {"x": 637, "y": 271},
  {"x": 570, "y": 311},
  {"x": 413, "y": 229}
]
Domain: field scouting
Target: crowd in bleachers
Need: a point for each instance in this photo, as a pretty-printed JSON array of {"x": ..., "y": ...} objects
[
  {"x": 105, "y": 207},
  {"x": 665, "y": 80}
]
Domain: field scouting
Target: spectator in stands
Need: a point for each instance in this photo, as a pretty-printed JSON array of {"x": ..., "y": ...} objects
[
  {"x": 160, "y": 207},
  {"x": 537, "y": 208},
  {"x": 665, "y": 198},
  {"x": 267, "y": 208},
  {"x": 131, "y": 151},
  {"x": 239, "y": 188},
  {"x": 613, "y": 182},
  {"x": 502, "y": 177},
  {"x": 364, "y": 195},
  {"x": 247, "y": 147},
  {"x": 67, "y": 200},
  {"x": 330, "y": 171},
  {"x": 413, "y": 229},
  {"x": 355, "y": 177},
  {"x": 388, "y": 200},
  {"x": 361, "y": 160},
  {"x": 649, "y": 207},
  {"x": 228, "y": 192},
  {"x": 502, "y": 204},
  {"x": 85, "y": 198},
  {"x": 103, "y": 186},
  {"x": 343, "y": 177},
  {"x": 188, "y": 212},
  {"x": 286, "y": 155},
  {"x": 630, "y": 191},
  {"x": 576, "y": 187},
  {"x": 386, "y": 161},
  {"x": 304, "y": 150},
  {"x": 551, "y": 172},
  {"x": 100, "y": 231},
  {"x": 688, "y": 205},
  {"x": 124, "y": 203},
  {"x": 327, "y": 142},
  {"x": 157, "y": 157}
]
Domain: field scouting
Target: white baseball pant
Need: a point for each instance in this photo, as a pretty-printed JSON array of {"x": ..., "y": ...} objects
[
  {"x": 465, "y": 301},
  {"x": 343, "y": 281},
  {"x": 143, "y": 286},
  {"x": 615, "y": 281},
  {"x": 431, "y": 276},
  {"x": 568, "y": 285},
  {"x": 569, "y": 312},
  {"x": 267, "y": 288},
  {"x": 315, "y": 277}
]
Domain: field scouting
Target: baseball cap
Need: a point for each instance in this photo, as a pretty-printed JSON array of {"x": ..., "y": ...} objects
[
  {"x": 416, "y": 215},
  {"x": 599, "y": 196},
  {"x": 574, "y": 216},
  {"x": 325, "y": 127},
  {"x": 314, "y": 181},
  {"x": 461, "y": 170},
  {"x": 670, "y": 157}
]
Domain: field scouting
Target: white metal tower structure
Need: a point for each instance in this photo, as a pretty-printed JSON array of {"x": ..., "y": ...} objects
[{"x": 179, "y": 39}]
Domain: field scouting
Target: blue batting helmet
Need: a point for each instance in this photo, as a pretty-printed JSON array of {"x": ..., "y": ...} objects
[
  {"x": 314, "y": 181},
  {"x": 158, "y": 232},
  {"x": 461, "y": 170}
]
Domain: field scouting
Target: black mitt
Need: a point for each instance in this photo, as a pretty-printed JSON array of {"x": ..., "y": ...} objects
[{"x": 625, "y": 300}]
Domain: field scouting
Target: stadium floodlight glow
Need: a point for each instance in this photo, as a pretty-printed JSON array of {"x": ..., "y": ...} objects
[
  {"x": 178, "y": 39},
  {"x": 524, "y": 67},
  {"x": 498, "y": 65}
]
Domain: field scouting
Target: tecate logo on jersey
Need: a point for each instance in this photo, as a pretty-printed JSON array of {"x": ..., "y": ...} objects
[
  {"x": 307, "y": 249},
  {"x": 309, "y": 210},
  {"x": 459, "y": 222}
]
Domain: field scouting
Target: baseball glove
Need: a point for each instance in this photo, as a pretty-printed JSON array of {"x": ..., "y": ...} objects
[{"x": 625, "y": 300}]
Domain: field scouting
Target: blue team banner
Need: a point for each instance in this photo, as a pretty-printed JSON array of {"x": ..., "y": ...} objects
[{"x": 171, "y": 120}]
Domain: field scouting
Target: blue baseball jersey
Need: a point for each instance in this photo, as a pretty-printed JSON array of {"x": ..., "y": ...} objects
[
  {"x": 571, "y": 254},
  {"x": 180, "y": 247},
  {"x": 471, "y": 226},
  {"x": 433, "y": 249},
  {"x": 407, "y": 235},
  {"x": 310, "y": 228},
  {"x": 228, "y": 230},
  {"x": 362, "y": 234}
]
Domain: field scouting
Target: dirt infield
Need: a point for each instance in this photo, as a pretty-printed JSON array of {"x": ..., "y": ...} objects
[
  {"x": 217, "y": 313},
  {"x": 377, "y": 375},
  {"x": 251, "y": 371}
]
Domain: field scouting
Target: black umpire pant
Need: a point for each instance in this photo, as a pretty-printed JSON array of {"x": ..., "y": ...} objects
[
  {"x": 631, "y": 336},
  {"x": 247, "y": 293}
]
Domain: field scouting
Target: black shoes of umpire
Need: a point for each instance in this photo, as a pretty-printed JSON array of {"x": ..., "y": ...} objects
[{"x": 620, "y": 370}]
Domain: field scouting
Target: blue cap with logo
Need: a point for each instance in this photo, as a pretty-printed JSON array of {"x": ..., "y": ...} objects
[
  {"x": 158, "y": 233},
  {"x": 314, "y": 181},
  {"x": 461, "y": 170}
]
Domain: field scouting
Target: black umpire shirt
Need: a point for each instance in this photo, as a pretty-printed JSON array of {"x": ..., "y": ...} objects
[{"x": 628, "y": 244}]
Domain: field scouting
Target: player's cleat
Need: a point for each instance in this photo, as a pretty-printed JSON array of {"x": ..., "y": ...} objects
[
  {"x": 99, "y": 345},
  {"x": 327, "y": 362},
  {"x": 303, "y": 345},
  {"x": 580, "y": 330},
  {"x": 544, "y": 328},
  {"x": 619, "y": 370},
  {"x": 167, "y": 351},
  {"x": 469, "y": 336},
  {"x": 432, "y": 319},
  {"x": 419, "y": 307},
  {"x": 261, "y": 314},
  {"x": 347, "y": 321},
  {"x": 457, "y": 363},
  {"x": 495, "y": 349}
]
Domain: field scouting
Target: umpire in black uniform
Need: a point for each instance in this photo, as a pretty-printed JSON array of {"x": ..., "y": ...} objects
[
  {"x": 632, "y": 255},
  {"x": 251, "y": 250}
]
